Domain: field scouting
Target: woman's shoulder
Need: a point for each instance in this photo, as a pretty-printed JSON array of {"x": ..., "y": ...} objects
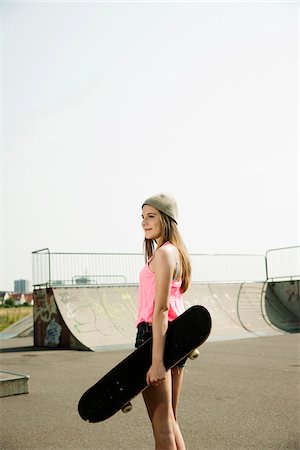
[{"x": 165, "y": 252}]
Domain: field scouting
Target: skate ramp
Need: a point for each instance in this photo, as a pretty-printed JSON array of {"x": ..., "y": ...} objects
[
  {"x": 85, "y": 318},
  {"x": 104, "y": 317},
  {"x": 282, "y": 305},
  {"x": 235, "y": 309},
  {"x": 21, "y": 328}
]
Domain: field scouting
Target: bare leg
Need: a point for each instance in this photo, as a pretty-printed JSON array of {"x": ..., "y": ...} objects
[
  {"x": 158, "y": 401},
  {"x": 161, "y": 402},
  {"x": 177, "y": 379}
]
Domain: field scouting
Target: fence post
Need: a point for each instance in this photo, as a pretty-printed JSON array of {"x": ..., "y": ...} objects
[{"x": 266, "y": 263}]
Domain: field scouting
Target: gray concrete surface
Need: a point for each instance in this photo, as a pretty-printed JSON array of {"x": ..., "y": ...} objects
[{"x": 238, "y": 395}]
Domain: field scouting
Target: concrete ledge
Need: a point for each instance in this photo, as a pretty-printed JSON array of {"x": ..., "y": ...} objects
[{"x": 12, "y": 383}]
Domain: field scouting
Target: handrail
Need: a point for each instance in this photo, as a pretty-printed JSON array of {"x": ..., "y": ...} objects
[
  {"x": 41, "y": 250},
  {"x": 207, "y": 268},
  {"x": 277, "y": 258},
  {"x": 46, "y": 249},
  {"x": 281, "y": 248},
  {"x": 81, "y": 277}
]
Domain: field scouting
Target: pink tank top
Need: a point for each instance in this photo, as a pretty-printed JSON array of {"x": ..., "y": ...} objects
[{"x": 147, "y": 296}]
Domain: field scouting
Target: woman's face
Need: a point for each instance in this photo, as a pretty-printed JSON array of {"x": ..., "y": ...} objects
[{"x": 151, "y": 222}]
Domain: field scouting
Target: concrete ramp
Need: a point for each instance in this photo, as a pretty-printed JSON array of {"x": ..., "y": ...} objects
[
  {"x": 103, "y": 318},
  {"x": 85, "y": 318},
  {"x": 12, "y": 383},
  {"x": 282, "y": 305},
  {"x": 235, "y": 309},
  {"x": 221, "y": 302},
  {"x": 21, "y": 328},
  {"x": 99, "y": 317}
]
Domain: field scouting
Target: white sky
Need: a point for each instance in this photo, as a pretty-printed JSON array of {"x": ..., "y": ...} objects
[{"x": 105, "y": 104}]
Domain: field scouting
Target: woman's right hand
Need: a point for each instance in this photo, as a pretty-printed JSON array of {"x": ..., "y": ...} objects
[{"x": 156, "y": 374}]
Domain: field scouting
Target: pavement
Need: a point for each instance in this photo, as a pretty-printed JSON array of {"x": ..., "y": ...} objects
[{"x": 239, "y": 394}]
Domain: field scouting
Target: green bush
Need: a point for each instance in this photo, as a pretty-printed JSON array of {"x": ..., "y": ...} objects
[{"x": 10, "y": 303}]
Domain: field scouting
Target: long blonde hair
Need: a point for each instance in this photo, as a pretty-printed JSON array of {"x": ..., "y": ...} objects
[{"x": 170, "y": 233}]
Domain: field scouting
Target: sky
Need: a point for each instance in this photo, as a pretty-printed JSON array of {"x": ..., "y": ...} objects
[{"x": 106, "y": 103}]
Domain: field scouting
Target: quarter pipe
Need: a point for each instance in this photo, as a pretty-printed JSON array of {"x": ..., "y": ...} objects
[{"x": 103, "y": 318}]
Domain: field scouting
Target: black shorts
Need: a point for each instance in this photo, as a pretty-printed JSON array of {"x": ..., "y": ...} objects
[{"x": 144, "y": 332}]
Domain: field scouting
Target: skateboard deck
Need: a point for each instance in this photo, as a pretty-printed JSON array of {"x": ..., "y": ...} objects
[{"x": 114, "y": 391}]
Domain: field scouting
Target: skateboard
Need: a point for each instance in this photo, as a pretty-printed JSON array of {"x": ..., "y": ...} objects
[{"x": 118, "y": 387}]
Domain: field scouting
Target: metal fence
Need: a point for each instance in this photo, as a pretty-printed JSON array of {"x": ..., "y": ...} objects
[
  {"x": 74, "y": 269},
  {"x": 228, "y": 268},
  {"x": 283, "y": 263},
  {"x": 63, "y": 269}
]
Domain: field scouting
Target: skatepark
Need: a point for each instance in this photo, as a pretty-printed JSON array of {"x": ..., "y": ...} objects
[{"x": 241, "y": 393}]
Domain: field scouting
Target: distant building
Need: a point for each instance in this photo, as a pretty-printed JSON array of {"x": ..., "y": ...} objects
[
  {"x": 2, "y": 297},
  {"x": 21, "y": 286},
  {"x": 18, "y": 298},
  {"x": 25, "y": 298}
]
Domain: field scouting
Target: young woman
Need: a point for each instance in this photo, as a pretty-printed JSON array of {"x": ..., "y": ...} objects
[{"x": 163, "y": 280}]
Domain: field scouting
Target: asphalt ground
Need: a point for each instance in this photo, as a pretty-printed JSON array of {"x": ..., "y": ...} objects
[{"x": 238, "y": 395}]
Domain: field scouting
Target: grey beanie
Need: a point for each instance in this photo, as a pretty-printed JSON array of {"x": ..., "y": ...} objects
[{"x": 164, "y": 203}]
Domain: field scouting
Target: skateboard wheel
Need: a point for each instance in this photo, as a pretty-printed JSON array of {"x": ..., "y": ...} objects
[
  {"x": 194, "y": 354},
  {"x": 127, "y": 408}
]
